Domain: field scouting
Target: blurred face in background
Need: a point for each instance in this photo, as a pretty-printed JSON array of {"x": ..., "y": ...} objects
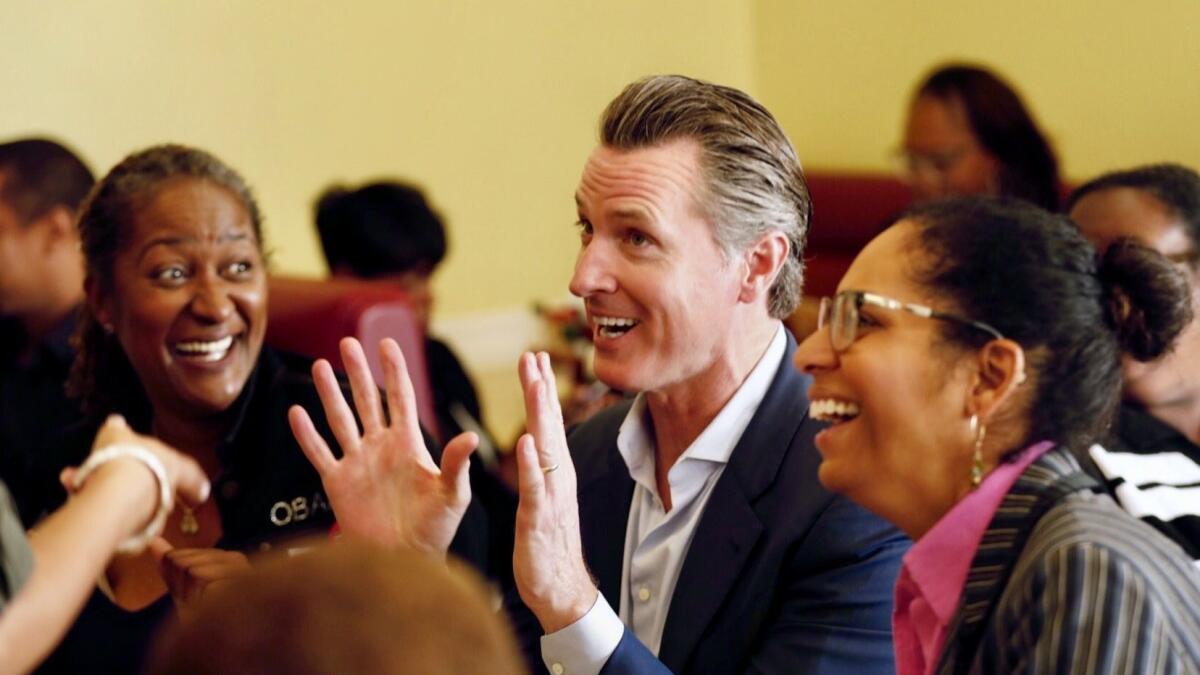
[
  {"x": 19, "y": 252},
  {"x": 1110, "y": 214},
  {"x": 39, "y": 260},
  {"x": 941, "y": 156}
]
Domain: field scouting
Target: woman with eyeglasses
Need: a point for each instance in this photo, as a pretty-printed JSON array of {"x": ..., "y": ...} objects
[
  {"x": 968, "y": 133},
  {"x": 972, "y": 348}
]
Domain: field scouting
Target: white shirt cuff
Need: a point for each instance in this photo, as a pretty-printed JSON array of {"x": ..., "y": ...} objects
[{"x": 584, "y": 647}]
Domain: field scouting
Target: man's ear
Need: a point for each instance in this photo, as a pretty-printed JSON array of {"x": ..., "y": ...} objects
[
  {"x": 1001, "y": 369},
  {"x": 762, "y": 263}
]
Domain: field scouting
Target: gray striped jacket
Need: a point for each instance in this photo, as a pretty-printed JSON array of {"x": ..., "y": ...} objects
[{"x": 1093, "y": 590}]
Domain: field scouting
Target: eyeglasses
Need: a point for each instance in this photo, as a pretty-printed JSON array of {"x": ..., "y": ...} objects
[
  {"x": 912, "y": 164},
  {"x": 841, "y": 314}
]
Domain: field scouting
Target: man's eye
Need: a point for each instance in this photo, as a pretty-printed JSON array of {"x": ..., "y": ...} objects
[
  {"x": 637, "y": 238},
  {"x": 585, "y": 229}
]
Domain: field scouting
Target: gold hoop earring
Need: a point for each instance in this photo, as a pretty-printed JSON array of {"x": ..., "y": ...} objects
[{"x": 979, "y": 430}]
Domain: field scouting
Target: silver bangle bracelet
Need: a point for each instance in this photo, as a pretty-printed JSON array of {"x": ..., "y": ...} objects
[{"x": 137, "y": 543}]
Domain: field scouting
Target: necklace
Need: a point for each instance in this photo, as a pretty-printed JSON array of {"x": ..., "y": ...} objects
[{"x": 188, "y": 523}]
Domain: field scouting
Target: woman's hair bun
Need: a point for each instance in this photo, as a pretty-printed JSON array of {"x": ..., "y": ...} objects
[{"x": 1149, "y": 300}]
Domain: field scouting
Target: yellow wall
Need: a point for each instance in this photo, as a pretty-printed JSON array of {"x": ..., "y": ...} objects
[
  {"x": 492, "y": 105},
  {"x": 1113, "y": 83}
]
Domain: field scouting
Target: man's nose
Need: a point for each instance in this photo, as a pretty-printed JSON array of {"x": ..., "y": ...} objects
[{"x": 593, "y": 272}]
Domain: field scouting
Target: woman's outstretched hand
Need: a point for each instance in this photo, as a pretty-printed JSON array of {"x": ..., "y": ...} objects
[{"x": 386, "y": 488}]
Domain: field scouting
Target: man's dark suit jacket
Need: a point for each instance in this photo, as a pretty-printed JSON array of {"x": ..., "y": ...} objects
[{"x": 781, "y": 576}]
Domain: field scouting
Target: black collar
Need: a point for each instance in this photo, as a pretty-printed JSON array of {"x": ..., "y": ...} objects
[
  {"x": 1145, "y": 432},
  {"x": 244, "y": 411}
]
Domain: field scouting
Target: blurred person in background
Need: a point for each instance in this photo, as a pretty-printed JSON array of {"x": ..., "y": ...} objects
[
  {"x": 42, "y": 184},
  {"x": 1152, "y": 459},
  {"x": 968, "y": 133},
  {"x": 386, "y": 232}
]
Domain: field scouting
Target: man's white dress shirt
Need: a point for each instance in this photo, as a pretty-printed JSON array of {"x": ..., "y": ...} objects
[{"x": 656, "y": 541}]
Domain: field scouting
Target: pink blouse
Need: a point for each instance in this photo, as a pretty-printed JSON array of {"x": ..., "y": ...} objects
[{"x": 935, "y": 569}]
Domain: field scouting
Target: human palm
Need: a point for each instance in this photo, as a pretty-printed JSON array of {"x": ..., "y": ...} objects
[
  {"x": 386, "y": 488},
  {"x": 548, "y": 564}
]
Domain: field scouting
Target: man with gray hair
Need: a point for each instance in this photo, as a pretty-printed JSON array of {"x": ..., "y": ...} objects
[
  {"x": 712, "y": 545},
  {"x": 685, "y": 530}
]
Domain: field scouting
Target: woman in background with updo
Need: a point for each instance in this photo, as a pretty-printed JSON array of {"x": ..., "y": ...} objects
[{"x": 971, "y": 350}]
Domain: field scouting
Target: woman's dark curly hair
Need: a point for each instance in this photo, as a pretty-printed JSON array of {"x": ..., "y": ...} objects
[
  {"x": 102, "y": 374},
  {"x": 1033, "y": 276}
]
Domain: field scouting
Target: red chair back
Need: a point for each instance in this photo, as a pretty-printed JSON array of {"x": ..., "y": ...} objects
[
  {"x": 849, "y": 209},
  {"x": 310, "y": 317}
]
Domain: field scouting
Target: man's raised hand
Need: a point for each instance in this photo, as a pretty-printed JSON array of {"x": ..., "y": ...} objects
[{"x": 548, "y": 565}]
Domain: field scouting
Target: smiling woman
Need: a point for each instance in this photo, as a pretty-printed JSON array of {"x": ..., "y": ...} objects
[
  {"x": 188, "y": 297},
  {"x": 172, "y": 338},
  {"x": 169, "y": 232},
  {"x": 972, "y": 350}
]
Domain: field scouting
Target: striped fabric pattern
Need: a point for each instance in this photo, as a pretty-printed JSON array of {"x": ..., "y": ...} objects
[
  {"x": 1158, "y": 483},
  {"x": 1093, "y": 590}
]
